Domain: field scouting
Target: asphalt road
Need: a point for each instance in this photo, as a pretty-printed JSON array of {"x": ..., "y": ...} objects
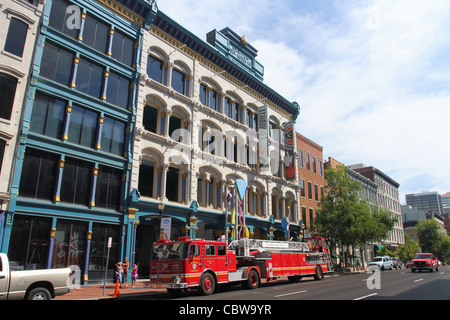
[{"x": 386, "y": 285}]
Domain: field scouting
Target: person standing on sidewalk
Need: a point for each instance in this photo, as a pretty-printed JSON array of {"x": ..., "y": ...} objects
[
  {"x": 119, "y": 273},
  {"x": 134, "y": 275},
  {"x": 126, "y": 267}
]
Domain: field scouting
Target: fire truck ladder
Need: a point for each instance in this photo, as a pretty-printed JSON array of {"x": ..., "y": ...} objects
[{"x": 244, "y": 246}]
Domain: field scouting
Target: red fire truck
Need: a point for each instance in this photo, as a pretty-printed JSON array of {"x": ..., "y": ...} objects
[{"x": 198, "y": 263}]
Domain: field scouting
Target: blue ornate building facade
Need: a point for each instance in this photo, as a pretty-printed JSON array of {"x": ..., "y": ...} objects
[{"x": 73, "y": 161}]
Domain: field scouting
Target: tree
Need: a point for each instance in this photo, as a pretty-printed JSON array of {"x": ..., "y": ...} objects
[
  {"x": 408, "y": 251},
  {"x": 429, "y": 235},
  {"x": 443, "y": 250},
  {"x": 432, "y": 240},
  {"x": 342, "y": 218}
]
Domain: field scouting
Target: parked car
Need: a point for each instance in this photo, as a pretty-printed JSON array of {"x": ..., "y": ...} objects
[
  {"x": 424, "y": 261},
  {"x": 32, "y": 284},
  {"x": 382, "y": 263},
  {"x": 408, "y": 264}
]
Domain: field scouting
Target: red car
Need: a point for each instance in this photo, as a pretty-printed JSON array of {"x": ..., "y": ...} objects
[{"x": 424, "y": 261}]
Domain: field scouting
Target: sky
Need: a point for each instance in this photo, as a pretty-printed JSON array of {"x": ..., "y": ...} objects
[{"x": 372, "y": 78}]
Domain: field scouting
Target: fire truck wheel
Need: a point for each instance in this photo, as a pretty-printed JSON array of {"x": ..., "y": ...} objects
[
  {"x": 207, "y": 284},
  {"x": 252, "y": 281},
  {"x": 319, "y": 274}
]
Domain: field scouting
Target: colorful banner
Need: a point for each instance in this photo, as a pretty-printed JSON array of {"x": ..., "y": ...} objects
[
  {"x": 289, "y": 137},
  {"x": 263, "y": 129},
  {"x": 166, "y": 226}
]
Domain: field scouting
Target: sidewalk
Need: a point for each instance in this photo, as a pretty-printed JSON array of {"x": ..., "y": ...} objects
[{"x": 95, "y": 291}]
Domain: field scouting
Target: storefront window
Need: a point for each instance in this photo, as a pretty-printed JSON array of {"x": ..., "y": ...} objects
[
  {"x": 99, "y": 250},
  {"x": 29, "y": 243},
  {"x": 70, "y": 244}
]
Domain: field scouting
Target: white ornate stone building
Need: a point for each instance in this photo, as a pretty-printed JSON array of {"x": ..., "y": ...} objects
[{"x": 197, "y": 131}]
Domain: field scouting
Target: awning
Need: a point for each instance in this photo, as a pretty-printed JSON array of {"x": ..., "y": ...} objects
[{"x": 378, "y": 247}]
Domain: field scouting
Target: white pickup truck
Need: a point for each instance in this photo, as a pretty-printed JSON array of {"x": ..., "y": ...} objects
[{"x": 32, "y": 284}]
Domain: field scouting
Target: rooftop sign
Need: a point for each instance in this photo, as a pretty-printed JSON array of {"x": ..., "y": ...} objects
[{"x": 237, "y": 49}]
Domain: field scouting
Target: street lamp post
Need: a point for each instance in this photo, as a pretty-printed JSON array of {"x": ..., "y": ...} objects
[
  {"x": 161, "y": 209},
  {"x": 303, "y": 231}
]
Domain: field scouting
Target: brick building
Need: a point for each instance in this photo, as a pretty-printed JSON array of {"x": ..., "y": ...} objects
[{"x": 311, "y": 178}]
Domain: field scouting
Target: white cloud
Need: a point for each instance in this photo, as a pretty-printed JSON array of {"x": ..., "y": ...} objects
[{"x": 372, "y": 77}]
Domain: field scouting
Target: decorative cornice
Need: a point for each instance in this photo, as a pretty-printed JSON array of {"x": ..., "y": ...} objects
[{"x": 124, "y": 12}]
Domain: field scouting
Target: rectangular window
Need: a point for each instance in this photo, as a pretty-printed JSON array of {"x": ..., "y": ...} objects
[
  {"x": 2, "y": 152},
  {"x": 122, "y": 48},
  {"x": 302, "y": 188},
  {"x": 118, "y": 90},
  {"x": 316, "y": 192},
  {"x": 155, "y": 69},
  {"x": 235, "y": 111},
  {"x": 56, "y": 64},
  {"x": 174, "y": 124},
  {"x": 15, "y": 39},
  {"x": 47, "y": 117},
  {"x": 99, "y": 248},
  {"x": 309, "y": 190},
  {"x": 213, "y": 101},
  {"x": 203, "y": 94},
  {"x": 300, "y": 158},
  {"x": 59, "y": 18},
  {"x": 89, "y": 78},
  {"x": 146, "y": 178},
  {"x": 113, "y": 136},
  {"x": 210, "y": 250},
  {"x": 221, "y": 250},
  {"x": 107, "y": 193},
  {"x": 39, "y": 175},
  {"x": 320, "y": 167},
  {"x": 314, "y": 164},
  {"x": 248, "y": 120},
  {"x": 29, "y": 244},
  {"x": 8, "y": 86},
  {"x": 83, "y": 127},
  {"x": 76, "y": 181},
  {"x": 150, "y": 120},
  {"x": 70, "y": 244},
  {"x": 227, "y": 107},
  {"x": 255, "y": 122},
  {"x": 307, "y": 161},
  {"x": 95, "y": 34}
]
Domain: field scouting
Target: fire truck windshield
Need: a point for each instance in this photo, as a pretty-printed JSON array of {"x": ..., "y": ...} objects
[{"x": 177, "y": 250}]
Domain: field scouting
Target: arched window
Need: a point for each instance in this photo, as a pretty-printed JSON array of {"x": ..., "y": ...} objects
[
  {"x": 150, "y": 119},
  {"x": 156, "y": 69},
  {"x": 209, "y": 188},
  {"x": 210, "y": 139},
  {"x": 178, "y": 120},
  {"x": 277, "y": 204},
  {"x": 173, "y": 184},
  {"x": 147, "y": 176},
  {"x": 180, "y": 79}
]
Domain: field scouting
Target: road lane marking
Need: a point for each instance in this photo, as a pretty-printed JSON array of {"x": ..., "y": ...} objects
[
  {"x": 289, "y": 294},
  {"x": 442, "y": 273},
  {"x": 418, "y": 280},
  {"x": 369, "y": 295}
]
